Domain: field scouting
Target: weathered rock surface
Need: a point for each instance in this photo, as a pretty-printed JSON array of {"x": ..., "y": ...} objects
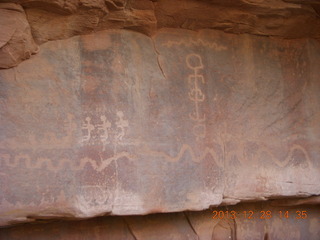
[
  {"x": 246, "y": 221},
  {"x": 270, "y": 18},
  {"x": 120, "y": 123},
  {"x": 61, "y": 19},
  {"x": 16, "y": 41},
  {"x": 289, "y": 19}
]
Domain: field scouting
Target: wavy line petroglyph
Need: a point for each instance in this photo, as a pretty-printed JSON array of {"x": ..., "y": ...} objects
[
  {"x": 78, "y": 165},
  {"x": 184, "y": 150},
  {"x": 189, "y": 43},
  {"x": 55, "y": 166},
  {"x": 265, "y": 151},
  {"x": 194, "y": 62},
  {"x": 75, "y": 165},
  {"x": 289, "y": 156}
]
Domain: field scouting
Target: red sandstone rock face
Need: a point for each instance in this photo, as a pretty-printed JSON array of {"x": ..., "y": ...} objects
[
  {"x": 61, "y": 19},
  {"x": 252, "y": 221},
  {"x": 120, "y": 123},
  {"x": 16, "y": 42},
  {"x": 292, "y": 19}
]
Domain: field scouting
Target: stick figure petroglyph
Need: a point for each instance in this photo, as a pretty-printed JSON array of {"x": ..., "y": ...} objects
[
  {"x": 194, "y": 62},
  {"x": 121, "y": 124},
  {"x": 88, "y": 127},
  {"x": 104, "y": 128},
  {"x": 104, "y": 132}
]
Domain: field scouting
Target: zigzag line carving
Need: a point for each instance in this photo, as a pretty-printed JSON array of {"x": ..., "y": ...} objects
[
  {"x": 79, "y": 165},
  {"x": 190, "y": 43},
  {"x": 264, "y": 150},
  {"x": 50, "y": 165},
  {"x": 289, "y": 156},
  {"x": 186, "y": 149}
]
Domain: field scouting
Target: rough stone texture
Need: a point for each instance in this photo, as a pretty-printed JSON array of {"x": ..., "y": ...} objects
[
  {"x": 252, "y": 221},
  {"x": 58, "y": 20},
  {"x": 120, "y": 123},
  {"x": 296, "y": 202},
  {"x": 289, "y": 19},
  {"x": 16, "y": 42},
  {"x": 61, "y": 19},
  {"x": 267, "y": 17}
]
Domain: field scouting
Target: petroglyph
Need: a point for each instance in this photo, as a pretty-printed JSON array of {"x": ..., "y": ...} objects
[
  {"x": 290, "y": 156},
  {"x": 104, "y": 128},
  {"x": 55, "y": 166},
  {"x": 121, "y": 125},
  {"x": 186, "y": 150},
  {"x": 194, "y": 62},
  {"x": 198, "y": 42},
  {"x": 88, "y": 128},
  {"x": 103, "y": 133},
  {"x": 59, "y": 164},
  {"x": 15, "y": 161},
  {"x": 262, "y": 150}
]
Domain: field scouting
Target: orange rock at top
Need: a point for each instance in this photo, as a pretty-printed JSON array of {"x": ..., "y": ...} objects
[{"x": 16, "y": 42}]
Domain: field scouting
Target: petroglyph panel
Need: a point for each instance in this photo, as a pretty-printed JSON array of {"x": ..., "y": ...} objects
[
  {"x": 257, "y": 100},
  {"x": 138, "y": 125}
]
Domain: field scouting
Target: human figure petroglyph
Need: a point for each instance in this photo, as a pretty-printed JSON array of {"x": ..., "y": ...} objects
[
  {"x": 89, "y": 128},
  {"x": 121, "y": 124},
  {"x": 104, "y": 133},
  {"x": 104, "y": 128},
  {"x": 194, "y": 62}
]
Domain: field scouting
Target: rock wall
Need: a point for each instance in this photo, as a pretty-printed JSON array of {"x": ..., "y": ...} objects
[
  {"x": 46, "y": 20},
  {"x": 16, "y": 41},
  {"x": 245, "y": 221},
  {"x": 120, "y": 123}
]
